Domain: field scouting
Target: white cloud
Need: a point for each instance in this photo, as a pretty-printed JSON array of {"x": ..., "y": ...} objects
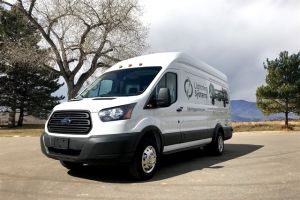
[
  {"x": 235, "y": 36},
  {"x": 232, "y": 35}
]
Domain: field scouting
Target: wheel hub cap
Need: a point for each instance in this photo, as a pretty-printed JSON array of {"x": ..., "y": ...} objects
[
  {"x": 149, "y": 159},
  {"x": 220, "y": 144}
]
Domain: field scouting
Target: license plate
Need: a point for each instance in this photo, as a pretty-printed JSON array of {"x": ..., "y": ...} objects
[{"x": 61, "y": 143}]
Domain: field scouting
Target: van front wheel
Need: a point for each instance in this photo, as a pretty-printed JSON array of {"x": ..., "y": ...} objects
[{"x": 145, "y": 161}]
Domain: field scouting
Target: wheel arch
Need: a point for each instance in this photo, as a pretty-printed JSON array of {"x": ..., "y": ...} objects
[
  {"x": 151, "y": 132},
  {"x": 218, "y": 129}
]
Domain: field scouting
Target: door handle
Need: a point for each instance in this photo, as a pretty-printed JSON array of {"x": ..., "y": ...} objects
[{"x": 179, "y": 109}]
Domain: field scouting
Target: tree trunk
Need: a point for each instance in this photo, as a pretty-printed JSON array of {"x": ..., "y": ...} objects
[
  {"x": 73, "y": 89},
  {"x": 21, "y": 117},
  {"x": 286, "y": 119},
  {"x": 286, "y": 114},
  {"x": 12, "y": 118}
]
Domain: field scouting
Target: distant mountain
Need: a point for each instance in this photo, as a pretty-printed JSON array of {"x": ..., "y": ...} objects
[
  {"x": 245, "y": 111},
  {"x": 242, "y": 110}
]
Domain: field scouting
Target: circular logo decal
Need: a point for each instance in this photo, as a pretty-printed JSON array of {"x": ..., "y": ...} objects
[{"x": 188, "y": 88}]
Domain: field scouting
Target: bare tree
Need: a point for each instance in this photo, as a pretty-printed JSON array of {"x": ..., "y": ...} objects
[{"x": 85, "y": 35}]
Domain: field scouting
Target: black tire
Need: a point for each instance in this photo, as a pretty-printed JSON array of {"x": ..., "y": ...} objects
[
  {"x": 71, "y": 165},
  {"x": 217, "y": 145},
  {"x": 136, "y": 168}
]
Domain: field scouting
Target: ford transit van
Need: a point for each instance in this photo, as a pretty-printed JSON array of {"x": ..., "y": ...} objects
[{"x": 140, "y": 109}]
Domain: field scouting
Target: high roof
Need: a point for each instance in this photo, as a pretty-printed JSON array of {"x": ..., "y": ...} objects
[{"x": 165, "y": 59}]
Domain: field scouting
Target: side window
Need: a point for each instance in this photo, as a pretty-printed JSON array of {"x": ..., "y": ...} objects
[{"x": 169, "y": 80}]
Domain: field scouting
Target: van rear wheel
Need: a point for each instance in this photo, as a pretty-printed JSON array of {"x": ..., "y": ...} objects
[
  {"x": 217, "y": 145},
  {"x": 145, "y": 160}
]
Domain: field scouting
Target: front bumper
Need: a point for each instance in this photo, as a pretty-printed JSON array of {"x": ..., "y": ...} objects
[{"x": 102, "y": 149}]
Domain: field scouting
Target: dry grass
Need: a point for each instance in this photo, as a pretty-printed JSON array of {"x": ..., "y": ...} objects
[
  {"x": 26, "y": 130},
  {"x": 294, "y": 125},
  {"x": 36, "y": 130}
]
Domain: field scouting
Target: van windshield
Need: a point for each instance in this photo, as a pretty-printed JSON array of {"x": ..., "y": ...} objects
[{"x": 125, "y": 82}]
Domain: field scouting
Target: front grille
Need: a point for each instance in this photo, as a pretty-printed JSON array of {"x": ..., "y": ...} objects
[{"x": 70, "y": 122}]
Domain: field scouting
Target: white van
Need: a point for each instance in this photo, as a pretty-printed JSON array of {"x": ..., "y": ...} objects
[{"x": 138, "y": 110}]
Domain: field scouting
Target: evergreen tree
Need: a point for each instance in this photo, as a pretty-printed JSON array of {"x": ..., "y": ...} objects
[
  {"x": 282, "y": 92},
  {"x": 24, "y": 85}
]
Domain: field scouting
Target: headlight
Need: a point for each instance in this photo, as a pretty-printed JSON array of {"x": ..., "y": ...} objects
[{"x": 116, "y": 113}]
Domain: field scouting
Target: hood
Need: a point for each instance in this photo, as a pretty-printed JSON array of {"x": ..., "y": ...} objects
[{"x": 95, "y": 104}]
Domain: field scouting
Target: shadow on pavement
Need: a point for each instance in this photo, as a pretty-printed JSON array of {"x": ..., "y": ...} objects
[{"x": 170, "y": 165}]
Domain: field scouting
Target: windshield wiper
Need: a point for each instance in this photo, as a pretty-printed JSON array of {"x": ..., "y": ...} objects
[{"x": 78, "y": 97}]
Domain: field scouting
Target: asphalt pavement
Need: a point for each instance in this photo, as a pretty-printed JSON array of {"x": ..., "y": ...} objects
[{"x": 253, "y": 166}]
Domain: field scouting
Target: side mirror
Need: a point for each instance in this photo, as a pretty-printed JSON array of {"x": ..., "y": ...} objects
[{"x": 163, "y": 97}]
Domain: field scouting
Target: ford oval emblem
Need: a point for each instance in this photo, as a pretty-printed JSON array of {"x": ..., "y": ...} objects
[{"x": 65, "y": 121}]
